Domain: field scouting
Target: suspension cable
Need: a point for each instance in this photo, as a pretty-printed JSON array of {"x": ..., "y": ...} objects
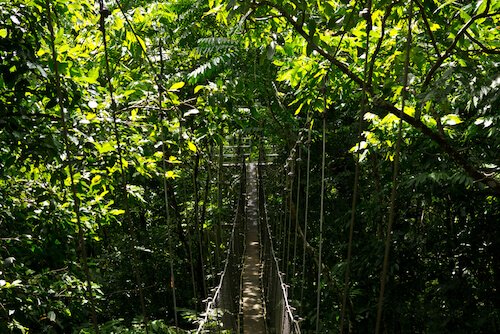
[
  {"x": 284, "y": 224},
  {"x": 218, "y": 235},
  {"x": 392, "y": 208},
  {"x": 291, "y": 175},
  {"x": 198, "y": 225},
  {"x": 165, "y": 191},
  {"x": 356, "y": 168},
  {"x": 297, "y": 206},
  {"x": 207, "y": 198},
  {"x": 76, "y": 203},
  {"x": 306, "y": 206},
  {"x": 322, "y": 214},
  {"x": 104, "y": 12}
]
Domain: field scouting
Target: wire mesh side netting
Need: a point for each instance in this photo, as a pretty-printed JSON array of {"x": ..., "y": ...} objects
[
  {"x": 279, "y": 313},
  {"x": 223, "y": 309}
]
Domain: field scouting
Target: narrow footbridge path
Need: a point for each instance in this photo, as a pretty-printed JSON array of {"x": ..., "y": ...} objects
[
  {"x": 251, "y": 297},
  {"x": 252, "y": 302}
]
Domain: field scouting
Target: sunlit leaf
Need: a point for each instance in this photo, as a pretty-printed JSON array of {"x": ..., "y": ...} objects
[
  {"x": 198, "y": 88},
  {"x": 176, "y": 86},
  {"x": 142, "y": 43},
  {"x": 93, "y": 75},
  {"x": 451, "y": 119},
  {"x": 173, "y": 160},
  {"x": 192, "y": 146},
  {"x": 214, "y": 10},
  {"x": 95, "y": 179},
  {"x": 299, "y": 109},
  {"x": 191, "y": 112},
  {"x": 105, "y": 147},
  {"x": 171, "y": 175},
  {"x": 15, "y": 20}
]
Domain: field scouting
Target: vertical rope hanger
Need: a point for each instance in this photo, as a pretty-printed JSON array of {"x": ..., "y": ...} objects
[
  {"x": 291, "y": 175},
  {"x": 76, "y": 203},
  {"x": 284, "y": 224},
  {"x": 198, "y": 225},
  {"x": 189, "y": 239},
  {"x": 219, "y": 202},
  {"x": 306, "y": 206},
  {"x": 322, "y": 215},
  {"x": 392, "y": 208},
  {"x": 322, "y": 202},
  {"x": 208, "y": 198},
  {"x": 165, "y": 191},
  {"x": 104, "y": 12},
  {"x": 364, "y": 102},
  {"x": 297, "y": 206}
]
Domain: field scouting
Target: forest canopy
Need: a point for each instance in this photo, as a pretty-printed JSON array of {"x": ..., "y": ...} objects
[{"x": 120, "y": 123}]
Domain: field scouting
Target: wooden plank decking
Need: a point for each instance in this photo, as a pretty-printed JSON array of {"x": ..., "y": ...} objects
[{"x": 253, "y": 310}]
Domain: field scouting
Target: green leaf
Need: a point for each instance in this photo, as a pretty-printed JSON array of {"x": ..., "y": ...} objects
[
  {"x": 443, "y": 5},
  {"x": 299, "y": 109},
  {"x": 191, "y": 112},
  {"x": 214, "y": 10},
  {"x": 3, "y": 33},
  {"x": 192, "y": 146},
  {"x": 105, "y": 147},
  {"x": 176, "y": 86},
  {"x": 142, "y": 43},
  {"x": 51, "y": 316},
  {"x": 15, "y": 20},
  {"x": 95, "y": 179},
  {"x": 92, "y": 104},
  {"x": 271, "y": 49},
  {"x": 93, "y": 75},
  {"x": 451, "y": 119},
  {"x": 116, "y": 212},
  {"x": 171, "y": 174},
  {"x": 198, "y": 88},
  {"x": 173, "y": 160}
]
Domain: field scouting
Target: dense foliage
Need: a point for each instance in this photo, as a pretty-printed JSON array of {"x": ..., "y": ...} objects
[{"x": 113, "y": 193}]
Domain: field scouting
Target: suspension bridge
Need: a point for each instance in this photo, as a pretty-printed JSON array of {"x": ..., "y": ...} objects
[
  {"x": 259, "y": 277},
  {"x": 251, "y": 296}
]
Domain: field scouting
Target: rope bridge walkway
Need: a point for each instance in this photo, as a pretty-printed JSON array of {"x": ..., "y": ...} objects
[{"x": 251, "y": 296}]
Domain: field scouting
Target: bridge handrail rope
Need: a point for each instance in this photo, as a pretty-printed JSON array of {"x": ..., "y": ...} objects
[
  {"x": 280, "y": 314},
  {"x": 217, "y": 311}
]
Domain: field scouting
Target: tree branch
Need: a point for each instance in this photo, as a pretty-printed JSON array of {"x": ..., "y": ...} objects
[
  {"x": 309, "y": 39},
  {"x": 487, "y": 180},
  {"x": 483, "y": 47},
  {"x": 30, "y": 115},
  {"x": 428, "y": 27},
  {"x": 450, "y": 49},
  {"x": 379, "y": 43}
]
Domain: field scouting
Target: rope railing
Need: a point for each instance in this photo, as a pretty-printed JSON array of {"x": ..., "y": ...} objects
[
  {"x": 223, "y": 308},
  {"x": 279, "y": 313},
  {"x": 223, "y": 311}
]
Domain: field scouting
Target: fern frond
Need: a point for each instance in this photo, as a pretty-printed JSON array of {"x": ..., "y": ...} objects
[
  {"x": 214, "y": 65},
  {"x": 214, "y": 45}
]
